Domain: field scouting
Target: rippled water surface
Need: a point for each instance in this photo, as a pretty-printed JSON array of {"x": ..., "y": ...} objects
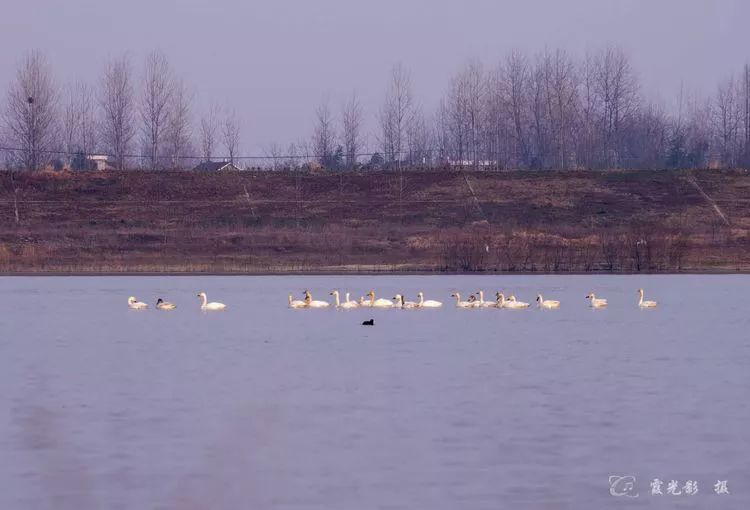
[{"x": 265, "y": 407}]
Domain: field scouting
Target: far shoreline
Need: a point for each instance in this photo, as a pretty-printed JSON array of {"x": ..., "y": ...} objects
[{"x": 695, "y": 272}]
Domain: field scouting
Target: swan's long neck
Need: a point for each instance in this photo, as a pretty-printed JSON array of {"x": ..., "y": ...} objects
[
  {"x": 205, "y": 299},
  {"x": 336, "y": 295},
  {"x": 372, "y": 298},
  {"x": 640, "y": 300},
  {"x": 458, "y": 297},
  {"x": 481, "y": 297},
  {"x": 347, "y": 297},
  {"x": 421, "y": 299}
]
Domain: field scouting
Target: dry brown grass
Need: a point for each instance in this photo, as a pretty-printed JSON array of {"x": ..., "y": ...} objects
[{"x": 282, "y": 221}]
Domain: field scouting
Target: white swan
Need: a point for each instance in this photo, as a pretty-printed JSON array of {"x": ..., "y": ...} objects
[
  {"x": 517, "y": 303},
  {"x": 400, "y": 302},
  {"x": 645, "y": 304},
  {"x": 483, "y": 303},
  {"x": 596, "y": 302},
  {"x": 513, "y": 304},
  {"x": 295, "y": 303},
  {"x": 345, "y": 304},
  {"x": 546, "y": 303},
  {"x": 509, "y": 303},
  {"x": 351, "y": 302},
  {"x": 135, "y": 304},
  {"x": 205, "y": 305},
  {"x": 164, "y": 305},
  {"x": 379, "y": 303},
  {"x": 430, "y": 303},
  {"x": 311, "y": 303},
  {"x": 461, "y": 304},
  {"x": 364, "y": 302}
]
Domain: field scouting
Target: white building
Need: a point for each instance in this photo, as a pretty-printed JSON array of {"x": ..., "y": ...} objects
[{"x": 100, "y": 160}]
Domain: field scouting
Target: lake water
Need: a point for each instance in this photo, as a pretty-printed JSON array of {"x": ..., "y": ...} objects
[{"x": 263, "y": 407}]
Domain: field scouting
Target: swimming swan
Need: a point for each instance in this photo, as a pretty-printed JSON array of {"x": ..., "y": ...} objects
[
  {"x": 164, "y": 305},
  {"x": 645, "y": 304},
  {"x": 430, "y": 303},
  {"x": 205, "y": 305},
  {"x": 500, "y": 297},
  {"x": 509, "y": 303},
  {"x": 546, "y": 303},
  {"x": 135, "y": 304},
  {"x": 400, "y": 302},
  {"x": 311, "y": 303},
  {"x": 461, "y": 304},
  {"x": 364, "y": 302},
  {"x": 379, "y": 303},
  {"x": 483, "y": 303},
  {"x": 295, "y": 303},
  {"x": 519, "y": 304},
  {"x": 596, "y": 302},
  {"x": 345, "y": 304}
]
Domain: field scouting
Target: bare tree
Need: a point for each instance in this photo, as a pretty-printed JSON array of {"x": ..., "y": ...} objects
[
  {"x": 155, "y": 103},
  {"x": 498, "y": 127},
  {"x": 396, "y": 113},
  {"x": 351, "y": 129},
  {"x": 294, "y": 157},
  {"x": 79, "y": 121},
  {"x": 275, "y": 154},
  {"x": 230, "y": 131},
  {"x": 727, "y": 121},
  {"x": 441, "y": 133},
  {"x": 472, "y": 99},
  {"x": 71, "y": 122},
  {"x": 617, "y": 87},
  {"x": 589, "y": 118},
  {"x": 539, "y": 112},
  {"x": 30, "y": 115},
  {"x": 516, "y": 86},
  {"x": 179, "y": 131},
  {"x": 418, "y": 139},
  {"x": 209, "y": 127},
  {"x": 746, "y": 112},
  {"x": 88, "y": 125},
  {"x": 561, "y": 91},
  {"x": 324, "y": 135},
  {"x": 118, "y": 104}
]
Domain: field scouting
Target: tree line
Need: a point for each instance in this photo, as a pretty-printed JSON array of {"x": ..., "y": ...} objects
[
  {"x": 545, "y": 111},
  {"x": 146, "y": 123}
]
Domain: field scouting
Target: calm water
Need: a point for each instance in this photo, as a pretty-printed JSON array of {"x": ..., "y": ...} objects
[{"x": 265, "y": 407}]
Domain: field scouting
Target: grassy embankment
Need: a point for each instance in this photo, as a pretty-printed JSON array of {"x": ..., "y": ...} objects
[{"x": 432, "y": 221}]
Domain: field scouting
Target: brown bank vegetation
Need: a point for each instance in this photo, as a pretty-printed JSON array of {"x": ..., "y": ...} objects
[{"x": 614, "y": 221}]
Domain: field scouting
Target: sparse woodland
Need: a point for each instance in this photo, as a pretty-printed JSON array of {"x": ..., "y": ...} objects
[{"x": 546, "y": 111}]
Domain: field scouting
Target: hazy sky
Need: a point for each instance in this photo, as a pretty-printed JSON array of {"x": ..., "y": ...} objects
[{"x": 274, "y": 60}]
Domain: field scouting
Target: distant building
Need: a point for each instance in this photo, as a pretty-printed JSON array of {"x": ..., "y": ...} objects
[
  {"x": 216, "y": 166},
  {"x": 469, "y": 163},
  {"x": 101, "y": 161}
]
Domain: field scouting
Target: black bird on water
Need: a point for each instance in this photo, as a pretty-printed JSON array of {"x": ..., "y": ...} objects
[{"x": 371, "y": 322}]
